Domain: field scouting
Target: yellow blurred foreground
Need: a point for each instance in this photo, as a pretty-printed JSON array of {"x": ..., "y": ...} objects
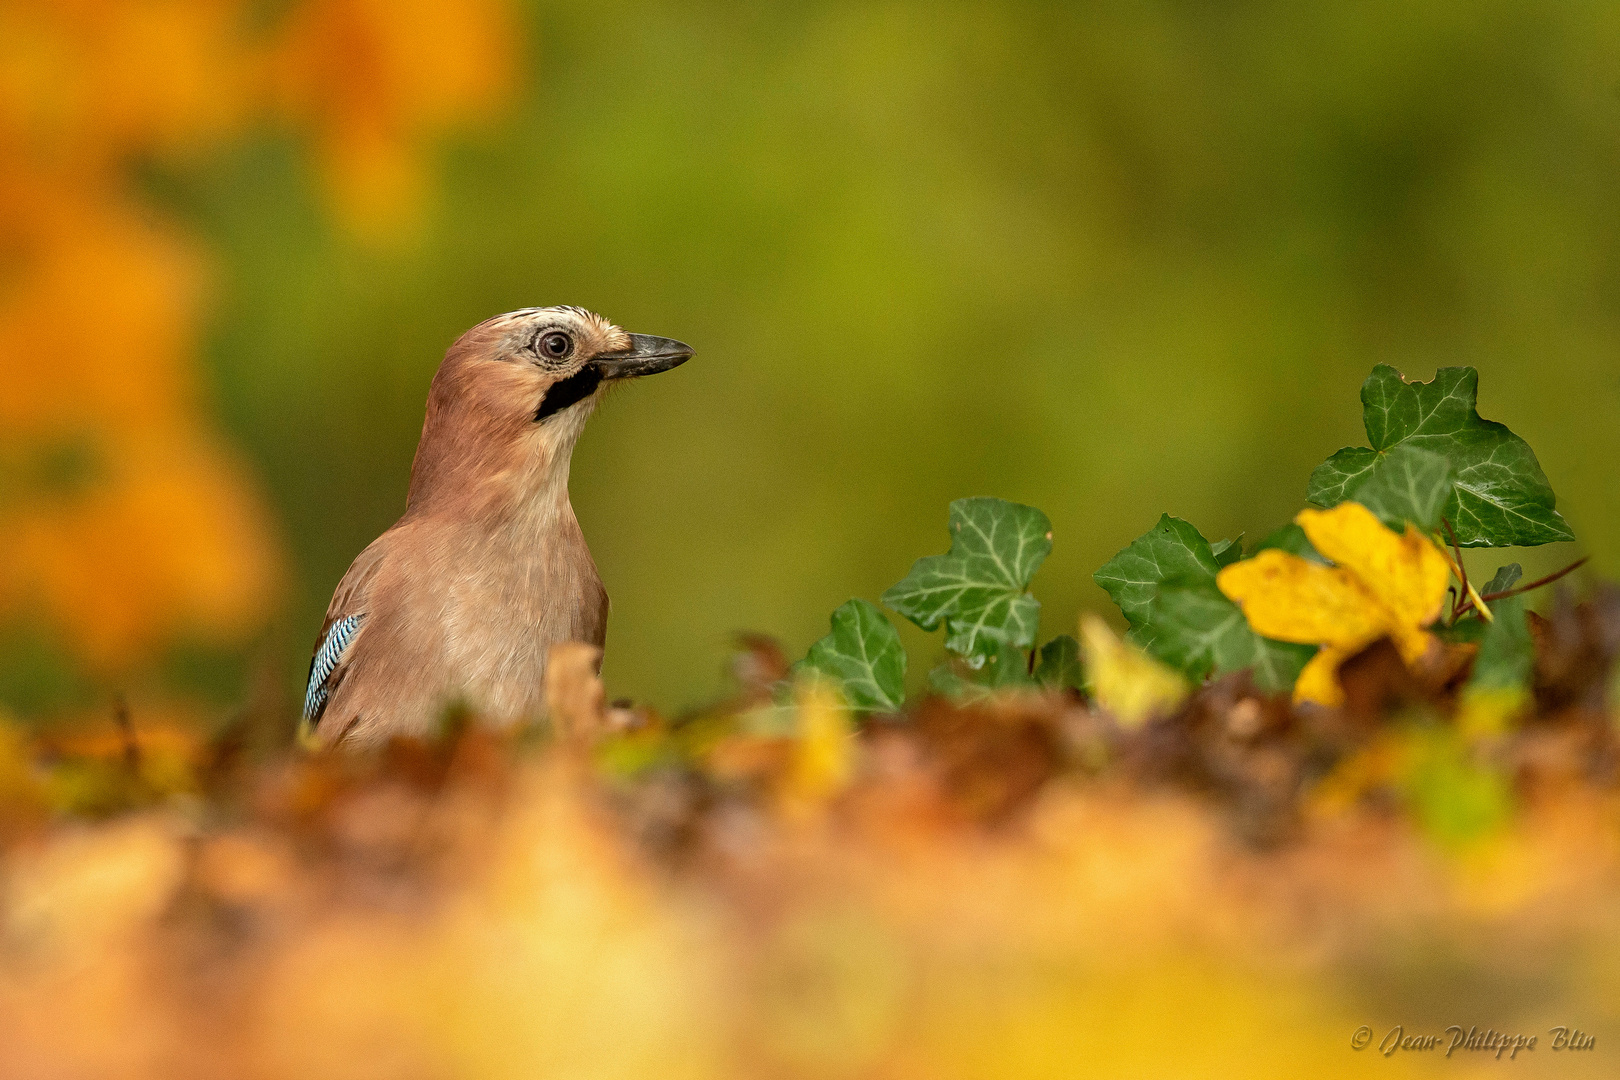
[{"x": 764, "y": 893}]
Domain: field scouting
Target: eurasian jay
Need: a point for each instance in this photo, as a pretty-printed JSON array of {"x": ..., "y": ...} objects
[{"x": 461, "y": 600}]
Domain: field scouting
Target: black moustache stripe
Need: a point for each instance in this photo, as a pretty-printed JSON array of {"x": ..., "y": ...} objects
[{"x": 571, "y": 391}]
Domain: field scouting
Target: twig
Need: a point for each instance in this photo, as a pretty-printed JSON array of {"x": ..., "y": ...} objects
[
  {"x": 126, "y": 728},
  {"x": 1539, "y": 582},
  {"x": 1536, "y": 584}
]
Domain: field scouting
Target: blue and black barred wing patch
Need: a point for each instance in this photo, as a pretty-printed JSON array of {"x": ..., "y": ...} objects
[{"x": 327, "y": 658}]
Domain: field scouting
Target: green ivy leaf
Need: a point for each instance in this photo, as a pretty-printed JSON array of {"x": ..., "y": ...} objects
[
  {"x": 1006, "y": 666},
  {"x": 1059, "y": 665},
  {"x": 1164, "y": 582},
  {"x": 1465, "y": 631},
  {"x": 1227, "y": 552},
  {"x": 1201, "y": 632},
  {"x": 1292, "y": 539},
  {"x": 973, "y": 678},
  {"x": 1171, "y": 550},
  {"x": 1500, "y": 496},
  {"x": 979, "y": 589},
  {"x": 864, "y": 656},
  {"x": 946, "y": 681},
  {"x": 1506, "y": 652},
  {"x": 1337, "y": 478},
  {"x": 1505, "y": 578},
  {"x": 1408, "y": 484}
]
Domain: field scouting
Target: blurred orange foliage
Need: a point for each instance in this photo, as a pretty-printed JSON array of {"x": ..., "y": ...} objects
[
  {"x": 124, "y": 520},
  {"x": 376, "y": 78}
]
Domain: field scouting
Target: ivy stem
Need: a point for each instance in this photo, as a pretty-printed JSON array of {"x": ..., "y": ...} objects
[{"x": 1457, "y": 568}]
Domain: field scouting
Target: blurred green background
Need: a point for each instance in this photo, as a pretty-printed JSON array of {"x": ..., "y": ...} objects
[{"x": 1108, "y": 259}]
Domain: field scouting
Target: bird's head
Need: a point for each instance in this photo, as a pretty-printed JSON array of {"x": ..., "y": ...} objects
[{"x": 514, "y": 392}]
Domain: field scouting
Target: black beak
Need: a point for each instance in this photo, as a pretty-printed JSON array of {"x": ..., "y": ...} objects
[{"x": 647, "y": 355}]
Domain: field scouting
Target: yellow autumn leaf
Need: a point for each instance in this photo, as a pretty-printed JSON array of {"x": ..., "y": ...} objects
[
  {"x": 1383, "y": 584},
  {"x": 823, "y": 753},
  {"x": 1125, "y": 681}
]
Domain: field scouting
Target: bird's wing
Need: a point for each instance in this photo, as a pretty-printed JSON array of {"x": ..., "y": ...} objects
[{"x": 344, "y": 619}]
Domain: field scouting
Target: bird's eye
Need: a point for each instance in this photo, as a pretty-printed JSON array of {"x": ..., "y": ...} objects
[{"x": 556, "y": 345}]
